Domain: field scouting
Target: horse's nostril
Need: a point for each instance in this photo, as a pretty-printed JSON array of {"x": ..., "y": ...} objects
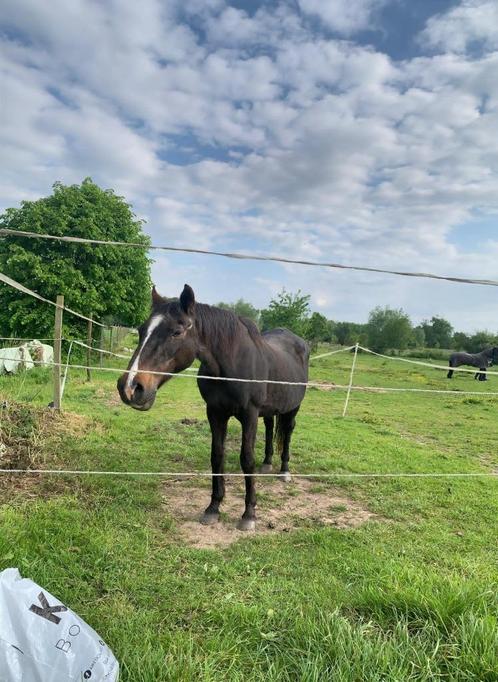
[{"x": 138, "y": 390}]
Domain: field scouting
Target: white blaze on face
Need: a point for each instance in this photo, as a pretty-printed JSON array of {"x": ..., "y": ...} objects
[{"x": 154, "y": 323}]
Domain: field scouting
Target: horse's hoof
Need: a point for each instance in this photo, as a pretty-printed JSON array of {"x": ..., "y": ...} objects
[
  {"x": 285, "y": 477},
  {"x": 266, "y": 469},
  {"x": 210, "y": 519},
  {"x": 246, "y": 524}
]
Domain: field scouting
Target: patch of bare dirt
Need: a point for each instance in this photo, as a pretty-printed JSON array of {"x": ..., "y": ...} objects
[
  {"x": 325, "y": 385},
  {"x": 282, "y": 508}
]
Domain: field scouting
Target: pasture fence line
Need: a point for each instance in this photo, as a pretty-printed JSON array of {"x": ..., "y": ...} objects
[
  {"x": 57, "y": 352},
  {"x": 422, "y": 363},
  {"x": 100, "y": 350},
  {"x": 332, "y": 352},
  {"x": 350, "y": 385},
  {"x": 322, "y": 355},
  {"x": 24, "y": 338},
  {"x": 20, "y": 287},
  {"x": 63, "y": 385},
  {"x": 209, "y": 474},
  {"x": 89, "y": 347},
  {"x": 307, "y": 384},
  {"x": 57, "y": 338},
  {"x": 247, "y": 256}
]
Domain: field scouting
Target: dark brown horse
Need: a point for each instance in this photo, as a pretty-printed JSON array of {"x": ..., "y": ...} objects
[
  {"x": 484, "y": 359},
  {"x": 179, "y": 331}
]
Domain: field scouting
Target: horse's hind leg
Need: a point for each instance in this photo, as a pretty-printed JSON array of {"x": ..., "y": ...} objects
[
  {"x": 482, "y": 374},
  {"x": 450, "y": 373},
  {"x": 266, "y": 467},
  {"x": 286, "y": 424},
  {"x": 218, "y": 423}
]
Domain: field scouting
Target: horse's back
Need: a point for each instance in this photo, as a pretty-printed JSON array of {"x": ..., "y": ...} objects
[
  {"x": 288, "y": 356},
  {"x": 285, "y": 342},
  {"x": 463, "y": 358}
]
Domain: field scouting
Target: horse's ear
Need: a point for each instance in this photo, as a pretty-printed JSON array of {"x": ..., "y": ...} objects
[
  {"x": 157, "y": 299},
  {"x": 187, "y": 300}
]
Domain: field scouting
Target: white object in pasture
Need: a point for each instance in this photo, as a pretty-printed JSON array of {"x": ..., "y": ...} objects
[
  {"x": 41, "y": 352},
  {"x": 41, "y": 640},
  {"x": 25, "y": 356},
  {"x": 14, "y": 359}
]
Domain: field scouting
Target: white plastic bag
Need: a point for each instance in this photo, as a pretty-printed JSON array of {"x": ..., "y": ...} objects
[{"x": 41, "y": 640}]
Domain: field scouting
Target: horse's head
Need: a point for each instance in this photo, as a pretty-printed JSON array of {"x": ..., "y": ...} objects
[
  {"x": 167, "y": 343},
  {"x": 494, "y": 356}
]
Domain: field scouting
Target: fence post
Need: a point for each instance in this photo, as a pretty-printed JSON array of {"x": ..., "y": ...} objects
[
  {"x": 110, "y": 338},
  {"x": 89, "y": 349},
  {"x": 101, "y": 354},
  {"x": 350, "y": 381},
  {"x": 57, "y": 351}
]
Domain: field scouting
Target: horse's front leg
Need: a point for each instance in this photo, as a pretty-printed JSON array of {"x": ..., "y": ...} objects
[
  {"x": 249, "y": 422},
  {"x": 218, "y": 423}
]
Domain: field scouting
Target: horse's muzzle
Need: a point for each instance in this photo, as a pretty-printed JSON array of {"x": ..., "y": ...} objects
[{"x": 135, "y": 394}]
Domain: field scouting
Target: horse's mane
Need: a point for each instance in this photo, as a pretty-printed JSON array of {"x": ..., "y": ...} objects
[{"x": 222, "y": 326}]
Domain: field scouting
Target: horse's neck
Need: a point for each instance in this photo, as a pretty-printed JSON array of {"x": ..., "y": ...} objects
[
  {"x": 218, "y": 358},
  {"x": 209, "y": 360}
]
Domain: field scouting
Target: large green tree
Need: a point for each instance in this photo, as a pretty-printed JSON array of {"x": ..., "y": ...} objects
[
  {"x": 418, "y": 338},
  {"x": 317, "y": 329},
  {"x": 287, "y": 310},
  {"x": 103, "y": 281},
  {"x": 461, "y": 341},
  {"x": 349, "y": 333},
  {"x": 388, "y": 328},
  {"x": 438, "y": 333}
]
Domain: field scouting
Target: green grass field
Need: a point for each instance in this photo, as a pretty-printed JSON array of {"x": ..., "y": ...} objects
[{"x": 409, "y": 595}]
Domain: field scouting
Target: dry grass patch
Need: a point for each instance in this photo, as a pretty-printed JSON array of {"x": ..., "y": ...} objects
[{"x": 25, "y": 432}]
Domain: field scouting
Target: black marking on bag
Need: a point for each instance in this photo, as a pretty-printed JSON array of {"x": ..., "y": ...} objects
[{"x": 47, "y": 611}]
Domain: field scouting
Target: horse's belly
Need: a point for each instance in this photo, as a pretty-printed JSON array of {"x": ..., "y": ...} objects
[{"x": 282, "y": 399}]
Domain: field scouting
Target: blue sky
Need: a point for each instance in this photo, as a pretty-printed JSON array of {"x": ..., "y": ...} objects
[{"x": 361, "y": 131}]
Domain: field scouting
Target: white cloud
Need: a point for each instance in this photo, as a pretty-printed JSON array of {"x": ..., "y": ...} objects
[
  {"x": 473, "y": 23},
  {"x": 344, "y": 16},
  {"x": 302, "y": 145}
]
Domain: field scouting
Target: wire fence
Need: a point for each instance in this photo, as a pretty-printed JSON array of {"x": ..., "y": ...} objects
[
  {"x": 20, "y": 287},
  {"x": 248, "y": 256},
  {"x": 60, "y": 366}
]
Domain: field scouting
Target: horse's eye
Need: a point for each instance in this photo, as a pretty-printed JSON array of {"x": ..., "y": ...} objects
[{"x": 178, "y": 332}]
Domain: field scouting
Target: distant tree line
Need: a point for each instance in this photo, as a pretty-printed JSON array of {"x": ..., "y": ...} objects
[{"x": 386, "y": 329}]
